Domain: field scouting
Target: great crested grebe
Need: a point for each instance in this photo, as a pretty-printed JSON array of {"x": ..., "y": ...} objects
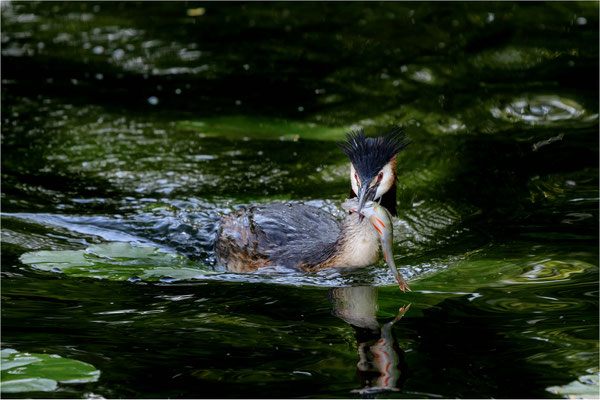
[{"x": 308, "y": 238}]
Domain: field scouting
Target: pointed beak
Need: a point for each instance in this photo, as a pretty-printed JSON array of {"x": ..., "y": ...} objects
[{"x": 365, "y": 193}]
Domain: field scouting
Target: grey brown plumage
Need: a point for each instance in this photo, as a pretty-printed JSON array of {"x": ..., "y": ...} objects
[
  {"x": 292, "y": 235},
  {"x": 308, "y": 238}
]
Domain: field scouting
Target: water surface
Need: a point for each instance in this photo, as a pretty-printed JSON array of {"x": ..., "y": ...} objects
[{"x": 128, "y": 129}]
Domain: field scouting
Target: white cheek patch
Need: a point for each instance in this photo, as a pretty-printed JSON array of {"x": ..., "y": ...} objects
[
  {"x": 387, "y": 181},
  {"x": 353, "y": 179}
]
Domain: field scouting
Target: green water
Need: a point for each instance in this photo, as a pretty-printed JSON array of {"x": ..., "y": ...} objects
[{"x": 128, "y": 129}]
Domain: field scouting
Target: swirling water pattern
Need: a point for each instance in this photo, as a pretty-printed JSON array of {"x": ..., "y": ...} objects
[{"x": 129, "y": 129}]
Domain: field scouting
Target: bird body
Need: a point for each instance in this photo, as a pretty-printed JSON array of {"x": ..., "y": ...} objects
[
  {"x": 310, "y": 239},
  {"x": 296, "y": 236}
]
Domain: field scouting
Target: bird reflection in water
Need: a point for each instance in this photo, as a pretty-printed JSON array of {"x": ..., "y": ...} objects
[{"x": 381, "y": 365}]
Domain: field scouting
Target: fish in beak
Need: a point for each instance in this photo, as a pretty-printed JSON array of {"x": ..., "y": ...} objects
[
  {"x": 365, "y": 194},
  {"x": 381, "y": 220}
]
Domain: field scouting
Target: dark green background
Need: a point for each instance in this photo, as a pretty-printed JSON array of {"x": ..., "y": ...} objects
[{"x": 126, "y": 121}]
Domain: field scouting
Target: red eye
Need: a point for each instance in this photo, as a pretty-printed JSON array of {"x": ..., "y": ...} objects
[
  {"x": 380, "y": 176},
  {"x": 356, "y": 177}
]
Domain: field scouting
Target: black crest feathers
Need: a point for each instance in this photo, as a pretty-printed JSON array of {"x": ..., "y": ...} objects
[{"x": 370, "y": 155}]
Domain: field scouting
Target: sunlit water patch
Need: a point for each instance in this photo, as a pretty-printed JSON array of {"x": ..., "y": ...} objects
[{"x": 513, "y": 58}]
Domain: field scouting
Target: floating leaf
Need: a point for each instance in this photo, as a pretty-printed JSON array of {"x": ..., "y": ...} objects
[
  {"x": 28, "y": 385},
  {"x": 116, "y": 261},
  {"x": 586, "y": 387},
  {"x": 25, "y": 372}
]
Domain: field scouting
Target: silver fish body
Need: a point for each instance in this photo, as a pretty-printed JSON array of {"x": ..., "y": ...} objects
[{"x": 381, "y": 220}]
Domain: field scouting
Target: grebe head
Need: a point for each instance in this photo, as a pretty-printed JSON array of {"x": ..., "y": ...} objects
[{"x": 373, "y": 163}]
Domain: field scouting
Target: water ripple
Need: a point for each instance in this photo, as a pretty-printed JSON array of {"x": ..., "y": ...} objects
[{"x": 541, "y": 110}]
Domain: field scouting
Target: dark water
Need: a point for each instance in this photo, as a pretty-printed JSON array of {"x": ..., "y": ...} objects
[{"x": 142, "y": 123}]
